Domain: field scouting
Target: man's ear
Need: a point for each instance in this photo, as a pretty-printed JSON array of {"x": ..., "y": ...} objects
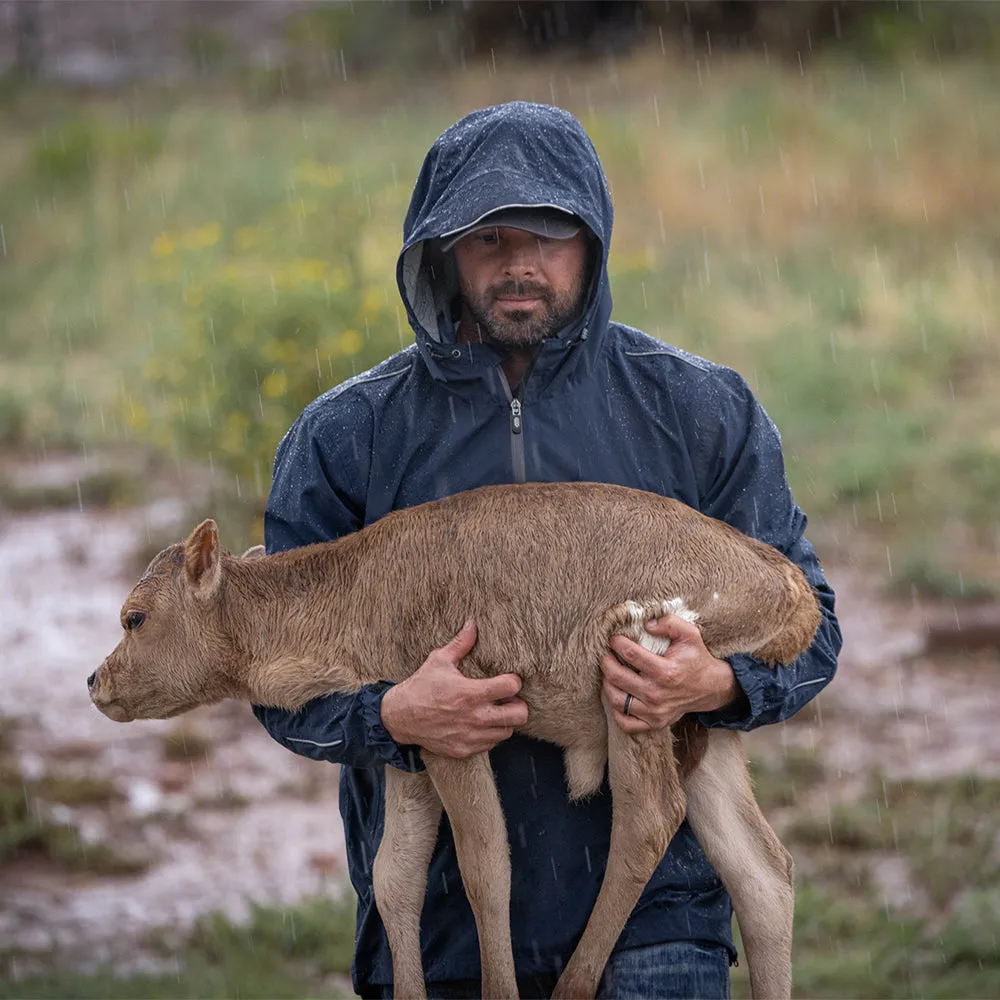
[
  {"x": 254, "y": 552},
  {"x": 202, "y": 558}
]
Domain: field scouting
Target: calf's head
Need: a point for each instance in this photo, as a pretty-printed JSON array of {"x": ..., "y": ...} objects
[{"x": 173, "y": 654}]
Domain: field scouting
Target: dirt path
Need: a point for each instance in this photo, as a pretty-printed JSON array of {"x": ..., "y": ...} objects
[{"x": 219, "y": 830}]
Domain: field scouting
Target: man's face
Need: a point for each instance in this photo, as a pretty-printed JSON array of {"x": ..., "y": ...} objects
[{"x": 521, "y": 288}]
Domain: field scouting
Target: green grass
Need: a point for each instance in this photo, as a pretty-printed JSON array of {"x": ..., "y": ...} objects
[
  {"x": 849, "y": 940},
  {"x": 279, "y": 953}
]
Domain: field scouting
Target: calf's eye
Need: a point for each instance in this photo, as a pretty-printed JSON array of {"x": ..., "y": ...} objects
[{"x": 134, "y": 619}]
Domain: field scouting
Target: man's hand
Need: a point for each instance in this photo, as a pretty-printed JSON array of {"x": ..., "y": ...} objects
[
  {"x": 687, "y": 678},
  {"x": 441, "y": 710}
]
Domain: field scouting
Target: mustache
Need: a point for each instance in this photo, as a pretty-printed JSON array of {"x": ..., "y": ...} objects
[{"x": 519, "y": 289}]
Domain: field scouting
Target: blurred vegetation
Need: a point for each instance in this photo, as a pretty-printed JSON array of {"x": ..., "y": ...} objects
[{"x": 186, "y": 271}]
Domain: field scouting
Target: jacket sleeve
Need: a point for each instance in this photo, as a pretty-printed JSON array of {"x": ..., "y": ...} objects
[
  {"x": 745, "y": 485},
  {"x": 317, "y": 494}
]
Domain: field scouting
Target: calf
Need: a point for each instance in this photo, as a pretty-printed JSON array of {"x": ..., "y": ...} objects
[{"x": 549, "y": 572}]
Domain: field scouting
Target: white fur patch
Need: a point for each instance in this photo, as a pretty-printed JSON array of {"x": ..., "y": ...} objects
[
  {"x": 656, "y": 644},
  {"x": 676, "y": 606}
]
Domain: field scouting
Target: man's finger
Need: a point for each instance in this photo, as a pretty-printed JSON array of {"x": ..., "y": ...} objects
[
  {"x": 625, "y": 679},
  {"x": 672, "y": 627},
  {"x": 500, "y": 687},
  {"x": 635, "y": 656},
  {"x": 461, "y": 645},
  {"x": 508, "y": 715}
]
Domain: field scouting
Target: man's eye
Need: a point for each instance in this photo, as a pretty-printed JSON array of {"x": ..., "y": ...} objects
[
  {"x": 134, "y": 619},
  {"x": 490, "y": 239}
]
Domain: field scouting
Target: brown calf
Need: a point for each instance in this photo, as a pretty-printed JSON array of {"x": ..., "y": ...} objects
[{"x": 549, "y": 572}]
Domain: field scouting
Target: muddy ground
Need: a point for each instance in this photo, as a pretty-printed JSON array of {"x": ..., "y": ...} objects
[{"x": 248, "y": 820}]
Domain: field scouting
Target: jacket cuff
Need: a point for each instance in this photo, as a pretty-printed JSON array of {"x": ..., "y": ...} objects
[
  {"x": 747, "y": 706},
  {"x": 406, "y": 757}
]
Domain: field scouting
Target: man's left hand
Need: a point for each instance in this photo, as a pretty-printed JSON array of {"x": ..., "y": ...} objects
[{"x": 687, "y": 678}]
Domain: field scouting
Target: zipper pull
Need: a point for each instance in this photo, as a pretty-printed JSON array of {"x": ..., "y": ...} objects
[{"x": 515, "y": 416}]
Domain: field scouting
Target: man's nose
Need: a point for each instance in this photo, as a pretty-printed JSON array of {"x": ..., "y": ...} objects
[
  {"x": 91, "y": 681},
  {"x": 523, "y": 258}
]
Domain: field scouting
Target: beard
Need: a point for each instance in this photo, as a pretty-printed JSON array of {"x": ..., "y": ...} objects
[{"x": 522, "y": 327}]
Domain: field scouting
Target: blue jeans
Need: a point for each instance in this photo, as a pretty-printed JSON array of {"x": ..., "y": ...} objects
[{"x": 675, "y": 970}]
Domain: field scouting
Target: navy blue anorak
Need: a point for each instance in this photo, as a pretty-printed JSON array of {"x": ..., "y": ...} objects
[{"x": 603, "y": 402}]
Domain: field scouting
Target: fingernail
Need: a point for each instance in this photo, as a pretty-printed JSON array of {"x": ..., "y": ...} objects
[
  {"x": 467, "y": 625},
  {"x": 652, "y": 621}
]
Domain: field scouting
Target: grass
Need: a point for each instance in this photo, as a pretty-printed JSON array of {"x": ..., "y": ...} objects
[
  {"x": 852, "y": 938},
  {"x": 777, "y": 785},
  {"x": 278, "y": 953}
]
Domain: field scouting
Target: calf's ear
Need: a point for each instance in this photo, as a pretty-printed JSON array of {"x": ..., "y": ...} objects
[
  {"x": 254, "y": 552},
  {"x": 202, "y": 559}
]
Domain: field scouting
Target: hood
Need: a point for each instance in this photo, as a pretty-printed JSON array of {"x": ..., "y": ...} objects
[{"x": 515, "y": 154}]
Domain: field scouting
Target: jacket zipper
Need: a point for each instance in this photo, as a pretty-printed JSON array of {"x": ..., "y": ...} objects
[
  {"x": 516, "y": 401},
  {"x": 516, "y": 429}
]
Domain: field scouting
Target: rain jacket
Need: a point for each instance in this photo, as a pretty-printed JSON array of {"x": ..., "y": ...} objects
[{"x": 603, "y": 402}]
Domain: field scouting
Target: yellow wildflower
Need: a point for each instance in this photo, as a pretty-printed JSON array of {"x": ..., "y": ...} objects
[
  {"x": 163, "y": 245},
  {"x": 308, "y": 269},
  {"x": 202, "y": 237},
  {"x": 350, "y": 342},
  {"x": 274, "y": 385}
]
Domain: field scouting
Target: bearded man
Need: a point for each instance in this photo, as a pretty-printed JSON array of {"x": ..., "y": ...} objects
[{"x": 519, "y": 374}]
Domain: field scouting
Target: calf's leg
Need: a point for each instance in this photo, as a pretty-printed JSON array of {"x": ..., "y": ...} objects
[
  {"x": 754, "y": 866},
  {"x": 399, "y": 874},
  {"x": 469, "y": 793},
  {"x": 648, "y": 806}
]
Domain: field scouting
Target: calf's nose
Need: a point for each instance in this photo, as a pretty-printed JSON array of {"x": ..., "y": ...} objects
[{"x": 91, "y": 680}]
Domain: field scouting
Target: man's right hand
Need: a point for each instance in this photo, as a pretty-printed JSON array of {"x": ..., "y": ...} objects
[{"x": 442, "y": 710}]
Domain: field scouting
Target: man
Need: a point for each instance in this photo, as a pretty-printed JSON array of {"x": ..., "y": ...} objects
[{"x": 518, "y": 374}]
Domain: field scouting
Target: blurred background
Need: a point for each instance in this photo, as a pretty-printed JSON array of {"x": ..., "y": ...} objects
[{"x": 200, "y": 210}]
